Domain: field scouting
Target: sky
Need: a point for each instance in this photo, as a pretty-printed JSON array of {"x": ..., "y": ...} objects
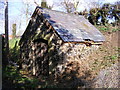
[{"x": 16, "y": 11}]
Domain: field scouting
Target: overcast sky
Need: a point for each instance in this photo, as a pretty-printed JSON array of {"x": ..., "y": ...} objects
[{"x": 16, "y": 7}]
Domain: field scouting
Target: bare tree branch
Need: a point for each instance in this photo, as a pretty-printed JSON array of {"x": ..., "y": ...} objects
[
  {"x": 36, "y": 3},
  {"x": 70, "y": 6}
]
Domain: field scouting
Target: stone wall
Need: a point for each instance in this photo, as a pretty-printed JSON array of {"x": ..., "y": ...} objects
[{"x": 70, "y": 52}]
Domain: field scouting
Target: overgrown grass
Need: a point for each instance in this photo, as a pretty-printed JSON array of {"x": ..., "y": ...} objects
[{"x": 15, "y": 80}]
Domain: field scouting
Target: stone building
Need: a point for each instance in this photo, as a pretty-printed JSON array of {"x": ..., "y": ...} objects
[{"x": 54, "y": 38}]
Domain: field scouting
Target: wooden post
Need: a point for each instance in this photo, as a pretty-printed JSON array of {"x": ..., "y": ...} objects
[
  {"x": 14, "y": 30},
  {"x": 0, "y": 62},
  {"x": 6, "y": 32}
]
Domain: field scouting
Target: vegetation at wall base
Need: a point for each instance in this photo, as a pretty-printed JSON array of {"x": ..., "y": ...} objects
[{"x": 15, "y": 78}]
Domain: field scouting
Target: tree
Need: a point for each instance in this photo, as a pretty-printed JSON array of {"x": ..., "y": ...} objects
[
  {"x": 43, "y": 4},
  {"x": 116, "y": 12},
  {"x": 94, "y": 15},
  {"x": 97, "y": 13},
  {"x": 70, "y": 6},
  {"x": 105, "y": 13},
  {"x": 84, "y": 13},
  {"x": 26, "y": 9}
]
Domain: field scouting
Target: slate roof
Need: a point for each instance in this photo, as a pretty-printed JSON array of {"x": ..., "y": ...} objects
[{"x": 71, "y": 27}]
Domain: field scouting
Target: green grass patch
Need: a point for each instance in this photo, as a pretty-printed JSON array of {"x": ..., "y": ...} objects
[
  {"x": 113, "y": 57},
  {"x": 108, "y": 28},
  {"x": 14, "y": 49},
  {"x": 12, "y": 42},
  {"x": 104, "y": 29}
]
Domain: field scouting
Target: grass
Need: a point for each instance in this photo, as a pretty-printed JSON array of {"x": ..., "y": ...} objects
[
  {"x": 106, "y": 62},
  {"x": 14, "y": 49},
  {"x": 107, "y": 59},
  {"x": 115, "y": 29},
  {"x": 104, "y": 29},
  {"x": 108, "y": 28},
  {"x": 14, "y": 79},
  {"x": 12, "y": 42}
]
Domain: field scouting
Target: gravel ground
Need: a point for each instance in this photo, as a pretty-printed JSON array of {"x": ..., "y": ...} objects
[{"x": 108, "y": 78}]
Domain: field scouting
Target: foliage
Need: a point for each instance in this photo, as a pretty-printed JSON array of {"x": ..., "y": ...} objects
[
  {"x": 69, "y": 6},
  {"x": 113, "y": 57},
  {"x": 44, "y": 4},
  {"x": 104, "y": 29},
  {"x": 84, "y": 13},
  {"x": 15, "y": 80},
  {"x": 107, "y": 11}
]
